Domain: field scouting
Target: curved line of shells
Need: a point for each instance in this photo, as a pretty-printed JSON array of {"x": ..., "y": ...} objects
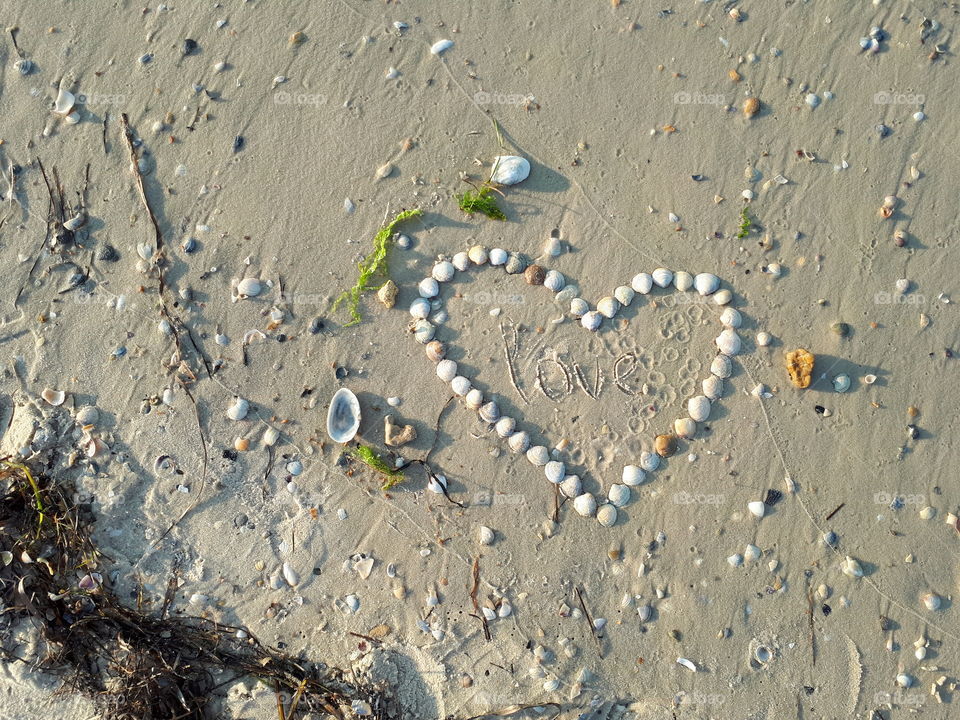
[{"x": 698, "y": 407}]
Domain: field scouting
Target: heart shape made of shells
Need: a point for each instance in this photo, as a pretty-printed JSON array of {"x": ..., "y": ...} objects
[{"x": 698, "y": 407}]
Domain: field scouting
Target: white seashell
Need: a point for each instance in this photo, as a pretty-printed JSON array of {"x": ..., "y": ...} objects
[
  {"x": 722, "y": 366},
  {"x": 706, "y": 283},
  {"x": 505, "y": 609},
  {"x": 489, "y": 613},
  {"x": 723, "y": 297},
  {"x": 437, "y": 484},
  {"x": 294, "y": 467},
  {"x": 428, "y": 288},
  {"x": 64, "y": 102},
  {"x": 735, "y": 560},
  {"x": 633, "y": 475},
  {"x": 343, "y": 417},
  {"x": 662, "y": 277},
  {"x": 554, "y": 470},
  {"x": 554, "y": 281},
  {"x": 270, "y": 436},
  {"x": 538, "y": 455},
  {"x": 685, "y": 428},
  {"x": 352, "y": 602},
  {"x": 460, "y": 385},
  {"x": 423, "y": 331},
  {"x": 904, "y": 680},
  {"x": 763, "y": 339},
  {"x": 509, "y": 170},
  {"x": 551, "y": 684},
  {"x": 699, "y": 408},
  {"x": 239, "y": 409},
  {"x": 731, "y": 318},
  {"x": 519, "y": 441},
  {"x": 441, "y": 46},
  {"x": 712, "y": 387},
  {"x": 642, "y": 283},
  {"x": 649, "y": 461},
  {"x": 498, "y": 256},
  {"x": 683, "y": 280},
  {"x": 485, "y": 536},
  {"x": 757, "y": 508},
  {"x": 931, "y": 601},
  {"x": 570, "y": 486},
  {"x": 420, "y": 308},
  {"x": 53, "y": 397},
  {"x": 841, "y": 383},
  {"x": 474, "y": 399},
  {"x": 552, "y": 246},
  {"x": 489, "y": 412},
  {"x": 461, "y": 261},
  {"x": 478, "y": 255},
  {"x": 249, "y": 287},
  {"x": 579, "y": 307},
  {"x": 607, "y": 515},
  {"x": 624, "y": 295},
  {"x": 608, "y": 307},
  {"x": 751, "y": 553},
  {"x": 443, "y": 271},
  {"x": 585, "y": 505},
  {"x": 591, "y": 320},
  {"x": 688, "y": 664},
  {"x": 644, "y": 612},
  {"x": 446, "y": 370},
  {"x": 88, "y": 415},
  {"x": 290, "y": 575},
  {"x": 618, "y": 495},
  {"x": 851, "y": 567},
  {"x": 728, "y": 342},
  {"x": 505, "y": 426}
]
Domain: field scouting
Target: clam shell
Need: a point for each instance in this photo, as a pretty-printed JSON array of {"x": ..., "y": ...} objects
[
  {"x": 519, "y": 441},
  {"x": 428, "y": 288},
  {"x": 461, "y": 261},
  {"x": 722, "y": 366},
  {"x": 460, "y": 385},
  {"x": 591, "y": 320},
  {"x": 644, "y": 612},
  {"x": 757, "y": 508},
  {"x": 731, "y": 318},
  {"x": 662, "y": 277},
  {"x": 290, "y": 575},
  {"x": 490, "y": 412},
  {"x": 53, "y": 397},
  {"x": 665, "y": 445},
  {"x": 618, "y": 495},
  {"x": 642, "y": 283},
  {"x": 706, "y": 283},
  {"x": 608, "y": 307},
  {"x": 555, "y": 471},
  {"x": 436, "y": 350},
  {"x": 649, "y": 461},
  {"x": 682, "y": 280},
  {"x": 423, "y": 331},
  {"x": 440, "y": 47},
  {"x": 478, "y": 255},
  {"x": 763, "y": 339},
  {"x": 88, "y": 415},
  {"x": 579, "y": 307},
  {"x": 343, "y": 417},
  {"x": 554, "y": 281},
  {"x": 728, "y": 342},
  {"x": 420, "y": 308},
  {"x": 443, "y": 271},
  {"x": 64, "y": 102},
  {"x": 249, "y": 287},
  {"x": 498, "y": 256},
  {"x": 446, "y": 370},
  {"x": 437, "y": 484},
  {"x": 851, "y": 567},
  {"x": 712, "y": 387},
  {"x": 624, "y": 295},
  {"x": 633, "y": 475},
  {"x": 567, "y": 293},
  {"x": 723, "y": 297},
  {"x": 685, "y": 427},
  {"x": 699, "y": 408},
  {"x": 607, "y": 515},
  {"x": 585, "y": 505},
  {"x": 841, "y": 383},
  {"x": 509, "y": 170},
  {"x": 474, "y": 399},
  {"x": 570, "y": 486},
  {"x": 538, "y": 455},
  {"x": 239, "y": 409},
  {"x": 505, "y": 426},
  {"x": 485, "y": 536}
]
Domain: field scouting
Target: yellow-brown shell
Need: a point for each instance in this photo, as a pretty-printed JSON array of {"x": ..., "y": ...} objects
[
  {"x": 665, "y": 445},
  {"x": 800, "y": 367},
  {"x": 751, "y": 106}
]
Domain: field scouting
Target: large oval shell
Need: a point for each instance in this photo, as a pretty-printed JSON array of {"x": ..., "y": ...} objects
[
  {"x": 607, "y": 515},
  {"x": 538, "y": 455},
  {"x": 509, "y": 169},
  {"x": 618, "y": 495},
  {"x": 505, "y": 426},
  {"x": 343, "y": 417},
  {"x": 585, "y": 504},
  {"x": 662, "y": 277},
  {"x": 633, "y": 475},
  {"x": 713, "y": 387},
  {"x": 249, "y": 287},
  {"x": 722, "y": 366},
  {"x": 642, "y": 283},
  {"x": 728, "y": 342},
  {"x": 706, "y": 283},
  {"x": 570, "y": 486},
  {"x": 519, "y": 441},
  {"x": 608, "y": 306},
  {"x": 699, "y": 408}
]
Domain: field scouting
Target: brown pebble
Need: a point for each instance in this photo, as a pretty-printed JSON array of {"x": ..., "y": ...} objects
[
  {"x": 535, "y": 275},
  {"x": 466, "y": 681},
  {"x": 913, "y": 411},
  {"x": 665, "y": 445}
]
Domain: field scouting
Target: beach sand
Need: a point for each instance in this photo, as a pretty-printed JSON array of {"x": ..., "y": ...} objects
[{"x": 253, "y": 146}]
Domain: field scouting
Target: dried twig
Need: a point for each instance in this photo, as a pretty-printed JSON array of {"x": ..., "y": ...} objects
[
  {"x": 586, "y": 614},
  {"x": 473, "y": 599}
]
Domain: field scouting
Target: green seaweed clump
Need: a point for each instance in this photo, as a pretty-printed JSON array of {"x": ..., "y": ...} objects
[
  {"x": 745, "y": 223},
  {"x": 481, "y": 200},
  {"x": 373, "y": 268},
  {"x": 368, "y": 457}
]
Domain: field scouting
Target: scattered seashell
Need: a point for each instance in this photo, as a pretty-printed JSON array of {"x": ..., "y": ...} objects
[
  {"x": 290, "y": 575},
  {"x": 64, "y": 103},
  {"x": 763, "y": 339},
  {"x": 270, "y": 436},
  {"x": 446, "y": 370},
  {"x": 249, "y": 287},
  {"x": 436, "y": 350},
  {"x": 644, "y": 612},
  {"x": 509, "y": 170},
  {"x": 397, "y": 435},
  {"x": 931, "y": 601},
  {"x": 53, "y": 397},
  {"x": 800, "y": 367},
  {"x": 869, "y": 379},
  {"x": 728, "y": 342},
  {"x": 851, "y": 567},
  {"x": 585, "y": 505},
  {"x": 751, "y": 553},
  {"x": 735, "y": 560},
  {"x": 699, "y": 408},
  {"x": 662, "y": 277},
  {"x": 443, "y": 271},
  {"x": 239, "y": 409},
  {"x": 751, "y": 106},
  {"x": 618, "y": 495},
  {"x": 665, "y": 445},
  {"x": 685, "y": 428},
  {"x": 706, "y": 283},
  {"x": 87, "y": 415},
  {"x": 841, "y": 383},
  {"x": 241, "y": 444},
  {"x": 757, "y": 508},
  {"x": 343, "y": 417},
  {"x": 538, "y": 455},
  {"x": 485, "y": 536},
  {"x": 607, "y": 514},
  {"x": 441, "y": 46},
  {"x": 519, "y": 442},
  {"x": 688, "y": 664},
  {"x": 608, "y": 307}
]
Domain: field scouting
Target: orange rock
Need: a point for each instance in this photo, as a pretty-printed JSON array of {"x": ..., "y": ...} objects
[{"x": 800, "y": 367}]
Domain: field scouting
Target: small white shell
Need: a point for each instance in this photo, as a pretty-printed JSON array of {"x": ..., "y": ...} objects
[
  {"x": 579, "y": 307},
  {"x": 722, "y": 366},
  {"x": 519, "y": 441},
  {"x": 420, "y": 308},
  {"x": 607, "y": 515},
  {"x": 538, "y": 455},
  {"x": 343, "y": 417},
  {"x": 644, "y": 612},
  {"x": 608, "y": 307},
  {"x": 290, "y": 575},
  {"x": 662, "y": 277},
  {"x": 570, "y": 486},
  {"x": 485, "y": 536},
  {"x": 423, "y": 331},
  {"x": 751, "y": 553},
  {"x": 763, "y": 339},
  {"x": 554, "y": 470},
  {"x": 712, "y": 387},
  {"x": 64, "y": 102},
  {"x": 585, "y": 504},
  {"x": 460, "y": 385},
  {"x": 851, "y": 567},
  {"x": 446, "y": 370},
  {"x": 633, "y": 475},
  {"x": 699, "y": 408},
  {"x": 554, "y": 281},
  {"x": 53, "y": 397},
  {"x": 682, "y": 280},
  {"x": 441, "y": 46},
  {"x": 478, "y": 255},
  {"x": 728, "y": 342},
  {"x": 270, "y": 436},
  {"x": 618, "y": 495},
  {"x": 706, "y": 283},
  {"x": 757, "y": 508},
  {"x": 443, "y": 271},
  {"x": 489, "y": 412},
  {"x": 642, "y": 283},
  {"x": 498, "y": 256},
  {"x": 722, "y": 297},
  {"x": 238, "y": 410},
  {"x": 735, "y": 560},
  {"x": 624, "y": 295},
  {"x": 841, "y": 383},
  {"x": 509, "y": 169},
  {"x": 591, "y": 320},
  {"x": 685, "y": 428},
  {"x": 474, "y": 399},
  {"x": 428, "y": 288},
  {"x": 88, "y": 415},
  {"x": 461, "y": 261},
  {"x": 249, "y": 287},
  {"x": 731, "y": 318},
  {"x": 437, "y": 484},
  {"x": 649, "y": 461},
  {"x": 505, "y": 426},
  {"x": 931, "y": 601}
]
